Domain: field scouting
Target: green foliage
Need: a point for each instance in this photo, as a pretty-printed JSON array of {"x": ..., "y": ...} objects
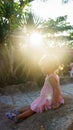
[
  {"x": 16, "y": 65},
  {"x": 55, "y": 26},
  {"x": 58, "y": 31},
  {"x": 11, "y": 16}
]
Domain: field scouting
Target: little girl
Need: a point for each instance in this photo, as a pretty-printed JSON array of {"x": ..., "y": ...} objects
[{"x": 50, "y": 95}]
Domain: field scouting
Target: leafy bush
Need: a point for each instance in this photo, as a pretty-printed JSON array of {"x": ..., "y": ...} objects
[{"x": 16, "y": 66}]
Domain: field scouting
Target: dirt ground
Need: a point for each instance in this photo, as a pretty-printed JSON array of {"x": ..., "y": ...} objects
[{"x": 60, "y": 119}]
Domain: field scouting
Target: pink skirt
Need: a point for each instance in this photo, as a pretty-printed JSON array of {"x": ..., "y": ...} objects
[{"x": 43, "y": 104}]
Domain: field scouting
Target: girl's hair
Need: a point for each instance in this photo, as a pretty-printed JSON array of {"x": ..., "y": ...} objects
[{"x": 50, "y": 61}]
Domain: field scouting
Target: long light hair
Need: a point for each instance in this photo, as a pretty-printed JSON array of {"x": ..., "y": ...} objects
[{"x": 51, "y": 61}]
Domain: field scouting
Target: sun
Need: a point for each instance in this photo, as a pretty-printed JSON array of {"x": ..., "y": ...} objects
[{"x": 36, "y": 39}]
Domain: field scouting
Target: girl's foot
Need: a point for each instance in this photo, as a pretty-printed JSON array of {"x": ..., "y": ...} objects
[
  {"x": 12, "y": 116},
  {"x": 15, "y": 112}
]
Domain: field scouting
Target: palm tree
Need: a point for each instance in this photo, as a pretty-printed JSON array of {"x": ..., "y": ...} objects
[{"x": 11, "y": 16}]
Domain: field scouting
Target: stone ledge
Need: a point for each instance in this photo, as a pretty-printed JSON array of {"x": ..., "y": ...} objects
[
  {"x": 60, "y": 119},
  {"x": 66, "y": 80}
]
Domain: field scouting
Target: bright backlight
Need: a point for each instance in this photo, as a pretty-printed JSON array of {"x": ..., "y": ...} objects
[{"x": 36, "y": 39}]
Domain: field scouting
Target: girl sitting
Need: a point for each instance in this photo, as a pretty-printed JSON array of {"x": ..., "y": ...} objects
[{"x": 50, "y": 95}]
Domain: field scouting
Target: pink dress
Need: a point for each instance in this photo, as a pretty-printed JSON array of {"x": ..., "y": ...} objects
[{"x": 45, "y": 100}]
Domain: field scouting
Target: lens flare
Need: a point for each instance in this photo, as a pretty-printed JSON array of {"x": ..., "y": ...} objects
[{"x": 36, "y": 39}]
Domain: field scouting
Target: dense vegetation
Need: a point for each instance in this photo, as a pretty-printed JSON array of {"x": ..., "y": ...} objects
[{"x": 17, "y": 22}]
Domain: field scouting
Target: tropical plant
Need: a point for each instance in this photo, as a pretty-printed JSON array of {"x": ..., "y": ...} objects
[
  {"x": 58, "y": 31},
  {"x": 14, "y": 61},
  {"x": 11, "y": 16}
]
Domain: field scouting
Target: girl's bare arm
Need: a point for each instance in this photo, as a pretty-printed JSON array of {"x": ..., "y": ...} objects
[{"x": 56, "y": 92}]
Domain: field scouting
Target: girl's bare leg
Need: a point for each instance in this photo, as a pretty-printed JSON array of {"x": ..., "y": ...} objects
[
  {"x": 24, "y": 109},
  {"x": 25, "y": 114}
]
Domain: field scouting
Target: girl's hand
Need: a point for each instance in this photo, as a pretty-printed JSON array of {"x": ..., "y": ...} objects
[{"x": 56, "y": 106}]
